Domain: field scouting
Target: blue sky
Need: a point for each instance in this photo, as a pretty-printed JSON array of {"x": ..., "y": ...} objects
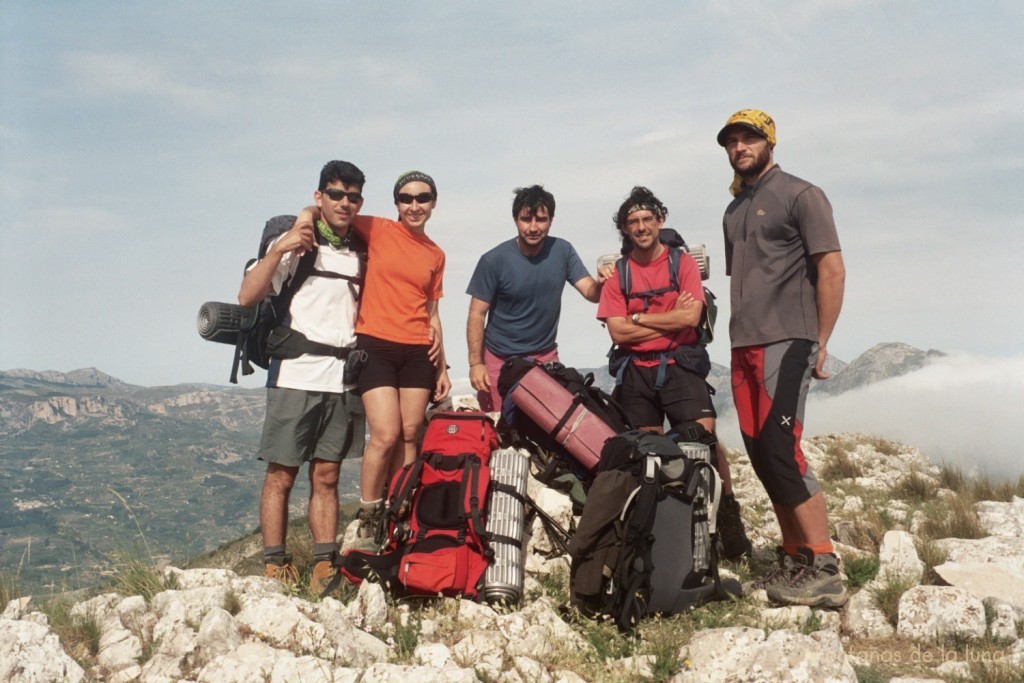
[{"x": 144, "y": 145}]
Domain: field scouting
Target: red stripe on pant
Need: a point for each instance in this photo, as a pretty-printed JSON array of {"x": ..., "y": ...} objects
[{"x": 766, "y": 384}]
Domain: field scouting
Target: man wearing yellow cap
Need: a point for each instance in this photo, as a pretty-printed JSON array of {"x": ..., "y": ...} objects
[{"x": 787, "y": 276}]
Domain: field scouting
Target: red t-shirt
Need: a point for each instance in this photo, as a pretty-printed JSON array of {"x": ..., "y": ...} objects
[{"x": 647, "y": 277}]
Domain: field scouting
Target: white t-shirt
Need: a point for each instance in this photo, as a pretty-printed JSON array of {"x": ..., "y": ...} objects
[{"x": 324, "y": 309}]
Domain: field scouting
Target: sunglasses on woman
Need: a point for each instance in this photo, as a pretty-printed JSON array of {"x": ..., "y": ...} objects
[{"x": 421, "y": 198}]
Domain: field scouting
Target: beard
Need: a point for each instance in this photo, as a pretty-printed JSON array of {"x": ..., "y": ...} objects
[{"x": 756, "y": 167}]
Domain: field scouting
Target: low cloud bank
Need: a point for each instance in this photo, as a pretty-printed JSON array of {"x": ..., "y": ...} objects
[{"x": 960, "y": 409}]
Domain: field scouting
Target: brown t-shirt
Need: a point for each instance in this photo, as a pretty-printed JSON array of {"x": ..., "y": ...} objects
[{"x": 771, "y": 230}]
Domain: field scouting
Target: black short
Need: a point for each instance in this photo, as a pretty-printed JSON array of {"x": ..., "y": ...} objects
[
  {"x": 390, "y": 364},
  {"x": 684, "y": 396}
]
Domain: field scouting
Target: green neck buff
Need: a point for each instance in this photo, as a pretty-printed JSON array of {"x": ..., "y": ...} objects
[{"x": 328, "y": 234}]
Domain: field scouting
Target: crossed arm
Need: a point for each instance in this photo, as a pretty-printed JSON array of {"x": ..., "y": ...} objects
[{"x": 685, "y": 313}]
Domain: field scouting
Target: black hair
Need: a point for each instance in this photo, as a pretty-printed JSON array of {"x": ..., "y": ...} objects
[
  {"x": 639, "y": 196},
  {"x": 342, "y": 172},
  {"x": 533, "y": 198}
]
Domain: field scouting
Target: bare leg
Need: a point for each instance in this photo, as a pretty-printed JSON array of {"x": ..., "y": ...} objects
[
  {"x": 323, "y": 500},
  {"x": 721, "y": 462},
  {"x": 384, "y": 420},
  {"x": 277, "y": 486},
  {"x": 804, "y": 524},
  {"x": 413, "y": 407}
]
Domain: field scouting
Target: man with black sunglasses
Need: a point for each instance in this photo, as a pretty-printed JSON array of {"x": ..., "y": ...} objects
[
  {"x": 517, "y": 289},
  {"x": 312, "y": 414}
]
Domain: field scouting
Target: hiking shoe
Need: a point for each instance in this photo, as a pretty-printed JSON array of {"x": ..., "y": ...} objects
[
  {"x": 321, "y": 575},
  {"x": 815, "y": 582},
  {"x": 285, "y": 573},
  {"x": 731, "y": 534},
  {"x": 368, "y": 521},
  {"x": 784, "y": 567}
]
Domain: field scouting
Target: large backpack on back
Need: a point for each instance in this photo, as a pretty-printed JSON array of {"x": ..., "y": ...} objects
[
  {"x": 436, "y": 514},
  {"x": 646, "y": 540},
  {"x": 259, "y": 333}
]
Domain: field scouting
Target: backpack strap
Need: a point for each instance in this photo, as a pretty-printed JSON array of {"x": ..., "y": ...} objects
[
  {"x": 474, "y": 516},
  {"x": 634, "y": 578},
  {"x": 626, "y": 280},
  {"x": 398, "y": 506}
]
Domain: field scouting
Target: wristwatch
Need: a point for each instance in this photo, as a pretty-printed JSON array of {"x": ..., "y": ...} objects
[{"x": 635, "y": 318}]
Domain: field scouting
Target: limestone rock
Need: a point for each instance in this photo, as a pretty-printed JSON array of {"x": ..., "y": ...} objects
[
  {"x": 863, "y": 619},
  {"x": 928, "y": 612},
  {"x": 748, "y": 655},
  {"x": 985, "y": 580},
  {"x": 30, "y": 652},
  {"x": 898, "y": 560}
]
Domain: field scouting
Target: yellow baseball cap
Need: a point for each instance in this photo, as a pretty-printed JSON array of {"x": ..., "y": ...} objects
[{"x": 754, "y": 119}]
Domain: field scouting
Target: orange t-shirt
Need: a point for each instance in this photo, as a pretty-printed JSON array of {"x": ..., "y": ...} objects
[{"x": 404, "y": 271}]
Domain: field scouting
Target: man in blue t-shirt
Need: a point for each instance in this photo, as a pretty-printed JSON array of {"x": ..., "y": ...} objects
[{"x": 517, "y": 289}]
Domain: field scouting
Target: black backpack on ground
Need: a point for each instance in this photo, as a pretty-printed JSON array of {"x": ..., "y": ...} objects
[{"x": 646, "y": 541}]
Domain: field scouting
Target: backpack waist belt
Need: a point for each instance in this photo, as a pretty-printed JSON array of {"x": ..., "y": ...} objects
[{"x": 286, "y": 343}]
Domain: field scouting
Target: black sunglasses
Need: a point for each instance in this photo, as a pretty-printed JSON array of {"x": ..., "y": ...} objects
[
  {"x": 422, "y": 198},
  {"x": 338, "y": 195}
]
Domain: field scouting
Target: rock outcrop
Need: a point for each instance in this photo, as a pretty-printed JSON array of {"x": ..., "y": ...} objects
[{"x": 216, "y": 625}]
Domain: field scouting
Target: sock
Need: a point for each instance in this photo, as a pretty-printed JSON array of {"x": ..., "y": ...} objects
[
  {"x": 274, "y": 554},
  {"x": 371, "y": 505},
  {"x": 822, "y": 549},
  {"x": 324, "y": 552},
  {"x": 790, "y": 548}
]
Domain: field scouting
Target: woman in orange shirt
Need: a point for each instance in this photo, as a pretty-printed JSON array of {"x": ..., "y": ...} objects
[{"x": 398, "y": 322}]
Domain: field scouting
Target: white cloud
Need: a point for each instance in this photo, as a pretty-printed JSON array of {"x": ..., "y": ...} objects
[{"x": 162, "y": 77}]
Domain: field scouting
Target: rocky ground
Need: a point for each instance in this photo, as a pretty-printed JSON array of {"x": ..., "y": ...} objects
[{"x": 935, "y": 569}]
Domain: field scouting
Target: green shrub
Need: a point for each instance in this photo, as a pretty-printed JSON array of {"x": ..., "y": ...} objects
[
  {"x": 887, "y": 596},
  {"x": 860, "y": 570}
]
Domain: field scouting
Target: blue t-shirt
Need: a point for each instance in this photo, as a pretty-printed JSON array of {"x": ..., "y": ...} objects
[{"x": 525, "y": 294}]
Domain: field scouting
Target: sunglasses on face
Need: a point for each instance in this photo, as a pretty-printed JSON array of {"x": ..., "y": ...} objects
[
  {"x": 421, "y": 198},
  {"x": 338, "y": 195}
]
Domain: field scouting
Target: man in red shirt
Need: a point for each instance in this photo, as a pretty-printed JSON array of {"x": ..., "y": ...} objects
[{"x": 656, "y": 325}]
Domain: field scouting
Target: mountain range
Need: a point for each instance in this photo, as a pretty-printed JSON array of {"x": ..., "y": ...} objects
[{"x": 92, "y": 467}]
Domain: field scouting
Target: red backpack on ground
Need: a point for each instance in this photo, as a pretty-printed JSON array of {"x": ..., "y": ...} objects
[{"x": 435, "y": 514}]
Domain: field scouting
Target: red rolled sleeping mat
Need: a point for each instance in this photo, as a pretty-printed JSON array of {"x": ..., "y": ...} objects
[{"x": 562, "y": 414}]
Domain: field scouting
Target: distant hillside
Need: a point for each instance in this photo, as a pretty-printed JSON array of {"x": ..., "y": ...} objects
[
  {"x": 882, "y": 361},
  {"x": 73, "y": 445}
]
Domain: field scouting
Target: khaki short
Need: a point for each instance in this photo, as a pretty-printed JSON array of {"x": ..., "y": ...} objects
[{"x": 303, "y": 425}]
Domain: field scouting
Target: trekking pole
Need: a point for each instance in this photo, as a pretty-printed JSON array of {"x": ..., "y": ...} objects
[{"x": 556, "y": 532}]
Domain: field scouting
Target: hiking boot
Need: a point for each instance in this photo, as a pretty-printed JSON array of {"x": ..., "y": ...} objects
[
  {"x": 783, "y": 568},
  {"x": 731, "y": 534},
  {"x": 368, "y": 521},
  {"x": 286, "y": 573},
  {"x": 815, "y": 582},
  {"x": 321, "y": 575}
]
